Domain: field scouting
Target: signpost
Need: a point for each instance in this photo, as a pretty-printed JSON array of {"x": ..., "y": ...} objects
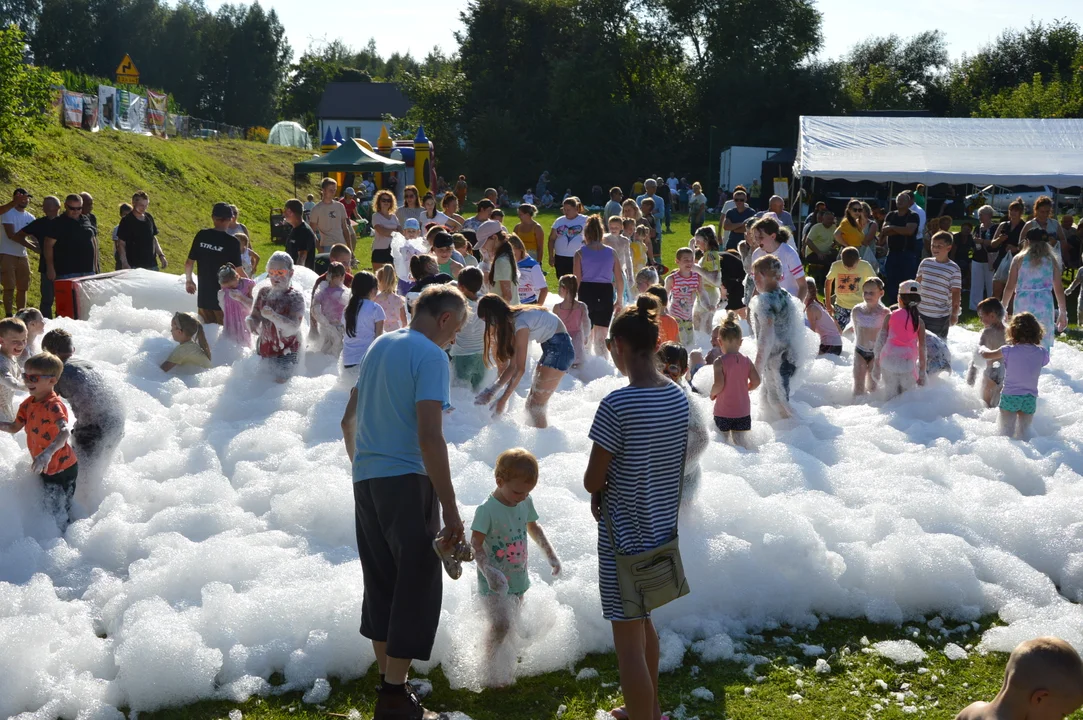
[{"x": 127, "y": 74}]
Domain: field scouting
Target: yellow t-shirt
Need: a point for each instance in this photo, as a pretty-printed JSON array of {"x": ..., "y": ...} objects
[
  {"x": 637, "y": 189},
  {"x": 639, "y": 256},
  {"x": 851, "y": 236},
  {"x": 189, "y": 353},
  {"x": 849, "y": 282}
]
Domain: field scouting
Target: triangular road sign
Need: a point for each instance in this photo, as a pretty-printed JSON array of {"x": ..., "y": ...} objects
[{"x": 127, "y": 67}]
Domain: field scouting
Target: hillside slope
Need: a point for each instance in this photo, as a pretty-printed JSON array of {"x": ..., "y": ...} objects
[{"x": 184, "y": 178}]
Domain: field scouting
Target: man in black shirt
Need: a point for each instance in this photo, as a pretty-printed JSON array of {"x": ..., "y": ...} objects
[
  {"x": 137, "y": 237},
  {"x": 211, "y": 249},
  {"x": 900, "y": 230},
  {"x": 88, "y": 207},
  {"x": 39, "y": 230},
  {"x": 71, "y": 245},
  {"x": 301, "y": 244}
]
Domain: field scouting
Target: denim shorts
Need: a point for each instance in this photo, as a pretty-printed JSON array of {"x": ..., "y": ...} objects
[{"x": 558, "y": 352}]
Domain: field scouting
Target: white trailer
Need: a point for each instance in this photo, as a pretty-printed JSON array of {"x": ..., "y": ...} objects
[{"x": 741, "y": 164}]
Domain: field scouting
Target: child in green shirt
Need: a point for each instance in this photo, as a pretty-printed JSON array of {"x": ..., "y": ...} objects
[{"x": 499, "y": 538}]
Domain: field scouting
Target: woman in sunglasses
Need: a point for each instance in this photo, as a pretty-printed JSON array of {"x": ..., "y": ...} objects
[
  {"x": 411, "y": 205},
  {"x": 384, "y": 223}
]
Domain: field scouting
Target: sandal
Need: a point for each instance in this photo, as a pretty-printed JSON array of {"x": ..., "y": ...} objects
[{"x": 453, "y": 558}]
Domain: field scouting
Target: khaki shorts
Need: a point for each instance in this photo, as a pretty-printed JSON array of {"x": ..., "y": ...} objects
[
  {"x": 15, "y": 272},
  {"x": 210, "y": 316}
]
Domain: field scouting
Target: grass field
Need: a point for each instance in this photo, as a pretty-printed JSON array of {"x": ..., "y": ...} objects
[{"x": 785, "y": 685}]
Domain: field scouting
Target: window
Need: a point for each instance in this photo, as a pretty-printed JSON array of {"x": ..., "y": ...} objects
[{"x": 353, "y": 131}]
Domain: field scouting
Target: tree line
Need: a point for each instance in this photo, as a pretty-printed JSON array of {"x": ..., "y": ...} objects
[{"x": 593, "y": 90}]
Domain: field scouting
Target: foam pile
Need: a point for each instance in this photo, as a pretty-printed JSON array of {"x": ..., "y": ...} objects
[{"x": 218, "y": 549}]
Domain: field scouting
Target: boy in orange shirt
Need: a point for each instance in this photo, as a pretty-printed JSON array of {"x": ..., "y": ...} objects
[
  {"x": 47, "y": 434},
  {"x": 668, "y": 331}
]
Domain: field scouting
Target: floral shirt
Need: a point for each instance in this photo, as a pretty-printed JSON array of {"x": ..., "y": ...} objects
[
  {"x": 505, "y": 541},
  {"x": 289, "y": 303}
]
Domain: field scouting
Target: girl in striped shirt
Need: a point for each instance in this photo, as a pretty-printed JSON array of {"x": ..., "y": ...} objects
[
  {"x": 639, "y": 435},
  {"x": 683, "y": 285}
]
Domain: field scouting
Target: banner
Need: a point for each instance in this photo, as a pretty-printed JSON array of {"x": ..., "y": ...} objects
[
  {"x": 73, "y": 109},
  {"x": 90, "y": 112},
  {"x": 137, "y": 114},
  {"x": 107, "y": 106},
  {"x": 156, "y": 112}
]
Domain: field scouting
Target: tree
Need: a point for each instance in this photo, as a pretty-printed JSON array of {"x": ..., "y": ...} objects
[
  {"x": 25, "y": 95},
  {"x": 23, "y": 13},
  {"x": 888, "y": 73}
]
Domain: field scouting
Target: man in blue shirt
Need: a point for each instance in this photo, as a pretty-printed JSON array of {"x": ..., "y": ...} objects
[{"x": 393, "y": 430}]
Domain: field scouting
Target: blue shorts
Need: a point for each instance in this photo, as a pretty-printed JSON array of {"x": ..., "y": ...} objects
[{"x": 558, "y": 352}]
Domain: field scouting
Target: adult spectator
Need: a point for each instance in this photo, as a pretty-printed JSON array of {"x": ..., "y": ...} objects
[
  {"x": 39, "y": 230},
  {"x": 301, "y": 243},
  {"x": 899, "y": 231},
  {"x": 1006, "y": 243},
  {"x": 429, "y": 213},
  {"x": 922, "y": 219},
  {"x": 330, "y": 219},
  {"x": 774, "y": 239},
  {"x": 211, "y": 249},
  {"x": 697, "y": 208},
  {"x": 566, "y": 237},
  {"x": 542, "y": 186},
  {"x": 411, "y": 206},
  {"x": 777, "y": 206},
  {"x": 1070, "y": 251},
  {"x": 237, "y": 227},
  {"x": 137, "y": 237},
  {"x": 734, "y": 219},
  {"x": 88, "y": 210},
  {"x": 725, "y": 200},
  {"x": 820, "y": 247},
  {"x": 981, "y": 266},
  {"x": 756, "y": 191},
  {"x": 460, "y": 191},
  {"x": 310, "y": 202},
  {"x": 485, "y": 208},
  {"x": 71, "y": 245},
  {"x": 638, "y": 187},
  {"x": 368, "y": 185},
  {"x": 811, "y": 219},
  {"x": 919, "y": 197},
  {"x": 666, "y": 198},
  {"x": 393, "y": 431},
  {"x": 672, "y": 182},
  {"x": 650, "y": 190},
  {"x": 14, "y": 263},
  {"x": 125, "y": 210},
  {"x": 613, "y": 207}
]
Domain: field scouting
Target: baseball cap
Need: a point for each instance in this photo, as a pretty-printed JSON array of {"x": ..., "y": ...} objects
[
  {"x": 21, "y": 191},
  {"x": 412, "y": 224},
  {"x": 910, "y": 287},
  {"x": 487, "y": 229},
  {"x": 222, "y": 211},
  {"x": 350, "y": 191},
  {"x": 443, "y": 240}
]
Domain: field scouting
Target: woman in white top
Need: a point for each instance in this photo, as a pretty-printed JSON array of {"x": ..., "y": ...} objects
[
  {"x": 508, "y": 334},
  {"x": 384, "y": 223},
  {"x": 429, "y": 213},
  {"x": 773, "y": 239},
  {"x": 504, "y": 272}
]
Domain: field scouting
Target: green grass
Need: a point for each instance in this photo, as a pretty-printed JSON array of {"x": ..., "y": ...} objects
[{"x": 850, "y": 690}]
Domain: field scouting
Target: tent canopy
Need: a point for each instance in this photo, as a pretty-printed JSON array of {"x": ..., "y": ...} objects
[
  {"x": 941, "y": 150},
  {"x": 349, "y": 157},
  {"x": 289, "y": 134}
]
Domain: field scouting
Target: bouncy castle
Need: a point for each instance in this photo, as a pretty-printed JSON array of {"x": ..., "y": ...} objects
[{"x": 418, "y": 154}]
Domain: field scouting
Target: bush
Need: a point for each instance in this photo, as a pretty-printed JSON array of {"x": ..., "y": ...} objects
[
  {"x": 26, "y": 96},
  {"x": 257, "y": 134}
]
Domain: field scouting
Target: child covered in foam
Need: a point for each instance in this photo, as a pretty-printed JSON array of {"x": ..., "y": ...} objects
[
  {"x": 329, "y": 306},
  {"x": 777, "y": 325},
  {"x": 1042, "y": 681},
  {"x": 235, "y": 298},
  {"x": 12, "y": 344}
]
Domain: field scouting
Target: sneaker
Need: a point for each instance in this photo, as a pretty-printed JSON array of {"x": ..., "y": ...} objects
[
  {"x": 454, "y": 557},
  {"x": 402, "y": 705}
]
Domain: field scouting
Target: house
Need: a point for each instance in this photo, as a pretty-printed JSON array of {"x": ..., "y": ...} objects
[{"x": 357, "y": 109}]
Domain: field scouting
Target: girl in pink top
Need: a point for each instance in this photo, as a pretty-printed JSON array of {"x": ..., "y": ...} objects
[
  {"x": 235, "y": 299},
  {"x": 393, "y": 304},
  {"x": 575, "y": 316},
  {"x": 821, "y": 322},
  {"x": 901, "y": 343},
  {"x": 735, "y": 377}
]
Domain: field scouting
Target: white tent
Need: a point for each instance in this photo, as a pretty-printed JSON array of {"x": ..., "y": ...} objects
[
  {"x": 289, "y": 134},
  {"x": 941, "y": 150}
]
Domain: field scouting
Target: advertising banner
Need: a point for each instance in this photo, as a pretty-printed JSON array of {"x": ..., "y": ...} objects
[
  {"x": 107, "y": 106},
  {"x": 73, "y": 109},
  {"x": 90, "y": 112},
  {"x": 156, "y": 112}
]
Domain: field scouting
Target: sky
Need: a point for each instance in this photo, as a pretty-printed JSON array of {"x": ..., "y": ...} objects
[{"x": 417, "y": 25}]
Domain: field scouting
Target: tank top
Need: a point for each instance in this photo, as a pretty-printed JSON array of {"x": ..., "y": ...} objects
[
  {"x": 733, "y": 401},
  {"x": 825, "y": 327},
  {"x": 900, "y": 331},
  {"x": 572, "y": 319},
  {"x": 597, "y": 265},
  {"x": 851, "y": 236}
]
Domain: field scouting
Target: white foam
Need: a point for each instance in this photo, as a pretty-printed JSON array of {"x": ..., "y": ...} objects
[
  {"x": 218, "y": 549},
  {"x": 899, "y": 651}
]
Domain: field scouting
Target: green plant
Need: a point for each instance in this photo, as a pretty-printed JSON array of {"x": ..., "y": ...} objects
[{"x": 26, "y": 95}]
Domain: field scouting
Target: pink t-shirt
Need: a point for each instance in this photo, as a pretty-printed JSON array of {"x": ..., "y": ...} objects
[
  {"x": 332, "y": 301},
  {"x": 824, "y": 325},
  {"x": 392, "y": 305},
  {"x": 235, "y": 313},
  {"x": 733, "y": 401}
]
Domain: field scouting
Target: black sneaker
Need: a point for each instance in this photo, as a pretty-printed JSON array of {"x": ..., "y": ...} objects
[{"x": 401, "y": 704}]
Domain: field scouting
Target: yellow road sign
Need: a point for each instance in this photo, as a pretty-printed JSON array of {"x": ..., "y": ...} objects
[{"x": 127, "y": 74}]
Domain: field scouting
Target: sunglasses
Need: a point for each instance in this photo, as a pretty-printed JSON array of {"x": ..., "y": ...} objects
[
  {"x": 75, "y": 208},
  {"x": 410, "y": 195},
  {"x": 35, "y": 377},
  {"x": 278, "y": 273}
]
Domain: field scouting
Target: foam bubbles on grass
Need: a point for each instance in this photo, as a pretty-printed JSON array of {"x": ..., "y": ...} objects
[
  {"x": 218, "y": 549},
  {"x": 899, "y": 651}
]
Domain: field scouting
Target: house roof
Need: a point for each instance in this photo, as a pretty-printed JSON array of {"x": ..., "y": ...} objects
[{"x": 362, "y": 101}]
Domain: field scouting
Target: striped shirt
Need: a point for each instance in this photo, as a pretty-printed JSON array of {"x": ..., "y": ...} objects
[
  {"x": 646, "y": 431},
  {"x": 937, "y": 280},
  {"x": 682, "y": 298}
]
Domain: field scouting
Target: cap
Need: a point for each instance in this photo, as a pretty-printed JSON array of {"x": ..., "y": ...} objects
[
  {"x": 443, "y": 240},
  {"x": 350, "y": 191},
  {"x": 20, "y": 191},
  {"x": 910, "y": 287},
  {"x": 487, "y": 229},
  {"x": 222, "y": 211},
  {"x": 412, "y": 224}
]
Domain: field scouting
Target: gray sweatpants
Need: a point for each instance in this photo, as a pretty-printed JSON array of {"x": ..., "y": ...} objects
[{"x": 397, "y": 519}]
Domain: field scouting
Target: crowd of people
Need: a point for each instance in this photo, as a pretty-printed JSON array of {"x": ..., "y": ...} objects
[{"x": 473, "y": 306}]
